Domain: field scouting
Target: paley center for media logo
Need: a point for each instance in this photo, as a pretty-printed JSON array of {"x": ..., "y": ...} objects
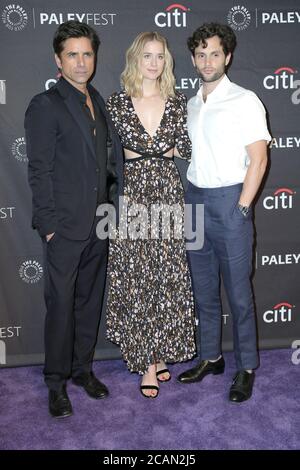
[
  {"x": 280, "y": 17},
  {"x": 238, "y": 18},
  {"x": 285, "y": 143},
  {"x": 188, "y": 83},
  {"x": 7, "y": 212},
  {"x": 175, "y": 15},
  {"x": 31, "y": 271},
  {"x": 94, "y": 18},
  {"x": 225, "y": 318},
  {"x": 7, "y": 333},
  {"x": 282, "y": 198},
  {"x": 280, "y": 313},
  {"x": 18, "y": 150},
  {"x": 279, "y": 259},
  {"x": 14, "y": 17}
]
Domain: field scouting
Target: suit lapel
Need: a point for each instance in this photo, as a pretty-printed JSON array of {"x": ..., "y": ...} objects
[
  {"x": 97, "y": 97},
  {"x": 74, "y": 106}
]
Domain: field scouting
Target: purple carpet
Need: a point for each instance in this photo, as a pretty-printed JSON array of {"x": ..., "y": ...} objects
[{"x": 187, "y": 417}]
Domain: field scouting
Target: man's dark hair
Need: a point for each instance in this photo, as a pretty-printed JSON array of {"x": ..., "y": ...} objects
[
  {"x": 208, "y": 30},
  {"x": 74, "y": 29}
]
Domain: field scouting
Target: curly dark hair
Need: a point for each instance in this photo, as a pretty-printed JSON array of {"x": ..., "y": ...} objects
[
  {"x": 208, "y": 30},
  {"x": 74, "y": 29}
]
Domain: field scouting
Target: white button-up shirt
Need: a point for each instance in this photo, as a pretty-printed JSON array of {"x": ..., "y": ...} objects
[{"x": 220, "y": 128}]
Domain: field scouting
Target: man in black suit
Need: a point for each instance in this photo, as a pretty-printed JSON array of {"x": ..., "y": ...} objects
[{"x": 75, "y": 164}]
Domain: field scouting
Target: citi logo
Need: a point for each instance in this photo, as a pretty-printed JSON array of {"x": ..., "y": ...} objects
[
  {"x": 283, "y": 78},
  {"x": 175, "y": 15},
  {"x": 282, "y": 199},
  {"x": 280, "y": 313},
  {"x": 52, "y": 81}
]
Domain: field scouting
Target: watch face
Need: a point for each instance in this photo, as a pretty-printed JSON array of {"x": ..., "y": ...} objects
[{"x": 243, "y": 209}]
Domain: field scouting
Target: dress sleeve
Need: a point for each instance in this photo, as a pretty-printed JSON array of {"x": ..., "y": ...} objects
[
  {"x": 114, "y": 109},
  {"x": 182, "y": 140}
]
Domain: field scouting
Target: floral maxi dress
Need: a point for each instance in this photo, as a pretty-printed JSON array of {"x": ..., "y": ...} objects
[{"x": 150, "y": 309}]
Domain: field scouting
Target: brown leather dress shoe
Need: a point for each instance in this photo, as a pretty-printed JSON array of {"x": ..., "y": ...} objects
[
  {"x": 196, "y": 374},
  {"x": 93, "y": 387}
]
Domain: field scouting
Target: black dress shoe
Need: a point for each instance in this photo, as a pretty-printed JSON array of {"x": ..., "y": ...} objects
[
  {"x": 241, "y": 388},
  {"x": 93, "y": 387},
  {"x": 201, "y": 370},
  {"x": 59, "y": 404}
]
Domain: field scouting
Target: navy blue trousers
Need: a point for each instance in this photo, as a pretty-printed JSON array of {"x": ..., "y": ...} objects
[{"x": 227, "y": 250}]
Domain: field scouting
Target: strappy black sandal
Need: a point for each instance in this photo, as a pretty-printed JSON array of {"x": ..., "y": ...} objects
[
  {"x": 161, "y": 372},
  {"x": 149, "y": 387}
]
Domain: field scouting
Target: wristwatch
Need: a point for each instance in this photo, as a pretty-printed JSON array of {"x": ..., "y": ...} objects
[{"x": 244, "y": 209}]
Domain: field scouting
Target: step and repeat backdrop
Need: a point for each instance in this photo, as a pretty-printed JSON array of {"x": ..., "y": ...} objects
[{"x": 266, "y": 60}]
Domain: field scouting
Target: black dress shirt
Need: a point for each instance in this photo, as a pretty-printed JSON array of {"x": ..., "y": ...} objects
[{"x": 99, "y": 132}]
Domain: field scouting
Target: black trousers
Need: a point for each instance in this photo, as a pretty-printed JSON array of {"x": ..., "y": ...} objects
[{"x": 75, "y": 273}]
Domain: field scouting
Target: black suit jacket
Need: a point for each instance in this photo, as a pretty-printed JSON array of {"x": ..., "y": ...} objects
[{"x": 62, "y": 167}]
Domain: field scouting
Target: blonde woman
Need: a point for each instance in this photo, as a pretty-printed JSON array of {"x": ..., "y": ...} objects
[{"x": 150, "y": 311}]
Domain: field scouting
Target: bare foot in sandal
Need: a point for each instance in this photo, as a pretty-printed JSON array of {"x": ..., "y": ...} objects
[
  {"x": 149, "y": 387},
  {"x": 162, "y": 372}
]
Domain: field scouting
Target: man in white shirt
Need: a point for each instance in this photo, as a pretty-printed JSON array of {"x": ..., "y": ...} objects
[{"x": 227, "y": 127}]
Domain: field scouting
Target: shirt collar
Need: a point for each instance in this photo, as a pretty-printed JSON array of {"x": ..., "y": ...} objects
[
  {"x": 81, "y": 96},
  {"x": 219, "y": 92}
]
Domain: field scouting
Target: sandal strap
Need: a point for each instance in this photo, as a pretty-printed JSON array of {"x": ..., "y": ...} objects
[
  {"x": 163, "y": 371},
  {"x": 149, "y": 387}
]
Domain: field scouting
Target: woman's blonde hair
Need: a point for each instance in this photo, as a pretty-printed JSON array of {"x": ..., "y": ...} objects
[{"x": 131, "y": 78}]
